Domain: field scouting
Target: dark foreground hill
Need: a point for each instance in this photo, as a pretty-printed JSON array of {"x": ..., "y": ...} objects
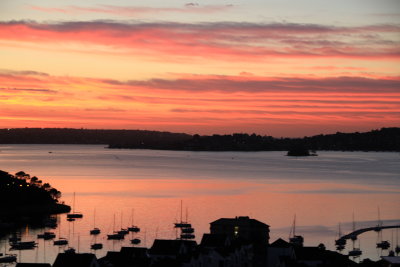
[
  {"x": 385, "y": 139},
  {"x": 24, "y": 196}
]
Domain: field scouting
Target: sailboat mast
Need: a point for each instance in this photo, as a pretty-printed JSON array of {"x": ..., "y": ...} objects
[
  {"x": 294, "y": 225},
  {"x": 73, "y": 207},
  {"x": 181, "y": 210}
]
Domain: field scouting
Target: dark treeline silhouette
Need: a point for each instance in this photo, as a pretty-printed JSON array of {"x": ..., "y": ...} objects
[
  {"x": 21, "y": 195},
  {"x": 385, "y": 139},
  {"x": 122, "y": 138}
]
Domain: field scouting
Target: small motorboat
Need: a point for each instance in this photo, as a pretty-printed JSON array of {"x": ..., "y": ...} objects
[
  {"x": 134, "y": 229},
  {"x": 123, "y": 232},
  {"x": 182, "y": 225},
  {"x": 8, "y": 258},
  {"x": 135, "y": 241},
  {"x": 115, "y": 236},
  {"x": 95, "y": 231},
  {"x": 74, "y": 215},
  {"x": 60, "y": 242},
  {"x": 355, "y": 252},
  {"x": 47, "y": 235},
  {"x": 96, "y": 246},
  {"x": 188, "y": 236},
  {"x": 188, "y": 230},
  {"x": 23, "y": 245},
  {"x": 383, "y": 245}
]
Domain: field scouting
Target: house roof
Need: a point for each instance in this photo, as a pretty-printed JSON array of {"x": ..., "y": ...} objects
[
  {"x": 134, "y": 252},
  {"x": 214, "y": 240},
  {"x": 280, "y": 243},
  {"x": 317, "y": 254},
  {"x": 74, "y": 259},
  {"x": 33, "y": 265},
  {"x": 241, "y": 220},
  {"x": 170, "y": 247}
]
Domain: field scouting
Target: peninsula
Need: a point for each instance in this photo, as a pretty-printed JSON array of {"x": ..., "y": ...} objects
[{"x": 24, "y": 196}]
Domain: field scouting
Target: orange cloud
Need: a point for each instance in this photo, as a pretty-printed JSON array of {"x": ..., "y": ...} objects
[{"x": 204, "y": 104}]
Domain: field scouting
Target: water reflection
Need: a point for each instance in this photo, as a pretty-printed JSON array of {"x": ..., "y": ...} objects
[{"x": 322, "y": 191}]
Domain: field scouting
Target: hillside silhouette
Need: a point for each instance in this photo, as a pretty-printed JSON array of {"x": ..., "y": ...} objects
[{"x": 385, "y": 139}]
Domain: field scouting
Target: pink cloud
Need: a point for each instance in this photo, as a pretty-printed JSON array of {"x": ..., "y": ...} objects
[{"x": 225, "y": 41}]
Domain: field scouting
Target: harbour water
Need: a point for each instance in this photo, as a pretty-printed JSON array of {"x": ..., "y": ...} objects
[{"x": 269, "y": 186}]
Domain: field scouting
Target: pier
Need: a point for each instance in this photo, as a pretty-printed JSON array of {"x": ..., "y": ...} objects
[{"x": 363, "y": 230}]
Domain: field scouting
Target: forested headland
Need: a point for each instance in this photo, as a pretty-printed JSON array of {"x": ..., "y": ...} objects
[{"x": 23, "y": 195}]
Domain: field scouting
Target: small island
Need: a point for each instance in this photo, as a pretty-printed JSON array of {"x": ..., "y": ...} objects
[
  {"x": 23, "y": 196},
  {"x": 300, "y": 151}
]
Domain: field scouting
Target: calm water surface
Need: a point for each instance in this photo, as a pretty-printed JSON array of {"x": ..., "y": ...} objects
[{"x": 322, "y": 191}]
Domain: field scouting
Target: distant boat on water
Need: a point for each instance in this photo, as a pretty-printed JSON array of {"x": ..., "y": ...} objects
[
  {"x": 23, "y": 245},
  {"x": 135, "y": 241},
  {"x": 61, "y": 242},
  {"x": 294, "y": 239},
  {"x": 116, "y": 235},
  {"x": 355, "y": 252},
  {"x": 96, "y": 246},
  {"x": 7, "y": 258},
  {"x": 133, "y": 228},
  {"x": 74, "y": 215},
  {"x": 95, "y": 230},
  {"x": 341, "y": 242},
  {"x": 47, "y": 235}
]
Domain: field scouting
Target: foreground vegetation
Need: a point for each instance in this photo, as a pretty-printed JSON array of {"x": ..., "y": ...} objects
[{"x": 23, "y": 195}]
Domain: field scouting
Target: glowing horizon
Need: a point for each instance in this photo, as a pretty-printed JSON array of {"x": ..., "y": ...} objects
[{"x": 169, "y": 70}]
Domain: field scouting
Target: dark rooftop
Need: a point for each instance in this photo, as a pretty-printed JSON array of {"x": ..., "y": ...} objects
[
  {"x": 74, "y": 259},
  {"x": 280, "y": 243},
  {"x": 33, "y": 265},
  {"x": 240, "y": 220},
  {"x": 214, "y": 240},
  {"x": 169, "y": 247}
]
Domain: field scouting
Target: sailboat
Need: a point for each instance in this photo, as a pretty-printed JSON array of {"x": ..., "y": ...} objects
[
  {"x": 74, "y": 214},
  {"x": 115, "y": 235},
  {"x": 133, "y": 228},
  {"x": 383, "y": 244},
  {"x": 294, "y": 239},
  {"x": 7, "y": 257},
  {"x": 61, "y": 240},
  {"x": 95, "y": 230},
  {"x": 354, "y": 236},
  {"x": 379, "y": 225},
  {"x": 355, "y": 252},
  {"x": 397, "y": 249},
  {"x": 185, "y": 227},
  {"x": 341, "y": 242}
]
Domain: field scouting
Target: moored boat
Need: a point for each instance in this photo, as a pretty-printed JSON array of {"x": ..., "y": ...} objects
[
  {"x": 96, "y": 246},
  {"x": 60, "y": 242},
  {"x": 7, "y": 258},
  {"x": 355, "y": 252},
  {"x": 115, "y": 236},
  {"x": 23, "y": 245},
  {"x": 95, "y": 231},
  {"x": 135, "y": 241},
  {"x": 46, "y": 235}
]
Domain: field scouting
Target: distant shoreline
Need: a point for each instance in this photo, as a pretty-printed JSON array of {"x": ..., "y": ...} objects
[{"x": 383, "y": 140}]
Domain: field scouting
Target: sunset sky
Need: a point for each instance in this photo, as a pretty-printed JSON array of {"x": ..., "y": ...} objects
[{"x": 272, "y": 67}]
